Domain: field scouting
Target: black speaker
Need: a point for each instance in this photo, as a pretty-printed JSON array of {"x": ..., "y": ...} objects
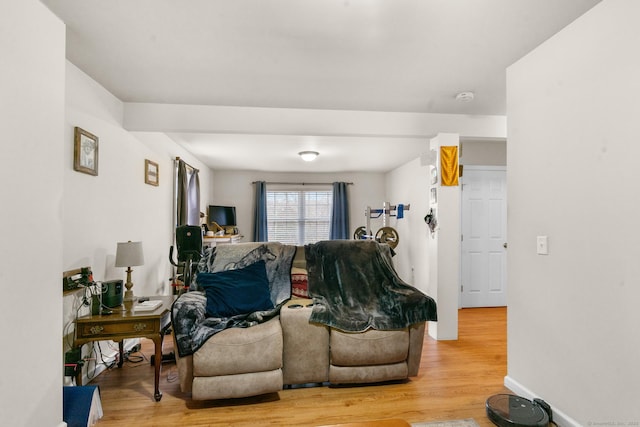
[
  {"x": 189, "y": 242},
  {"x": 112, "y": 293}
]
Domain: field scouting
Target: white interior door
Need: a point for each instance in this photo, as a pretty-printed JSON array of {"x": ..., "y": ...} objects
[{"x": 484, "y": 237}]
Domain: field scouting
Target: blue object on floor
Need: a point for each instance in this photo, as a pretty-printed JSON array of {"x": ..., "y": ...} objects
[{"x": 76, "y": 404}]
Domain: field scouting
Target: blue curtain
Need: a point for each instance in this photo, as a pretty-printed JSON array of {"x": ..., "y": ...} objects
[
  {"x": 339, "y": 228},
  {"x": 260, "y": 221}
]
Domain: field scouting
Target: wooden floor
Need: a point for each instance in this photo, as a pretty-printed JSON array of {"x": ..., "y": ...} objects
[{"x": 455, "y": 379}]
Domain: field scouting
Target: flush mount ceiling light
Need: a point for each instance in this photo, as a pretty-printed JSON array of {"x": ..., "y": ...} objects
[
  {"x": 308, "y": 156},
  {"x": 465, "y": 96}
]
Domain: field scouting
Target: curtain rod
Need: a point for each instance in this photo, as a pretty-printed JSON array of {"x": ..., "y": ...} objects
[
  {"x": 301, "y": 183},
  {"x": 178, "y": 159}
]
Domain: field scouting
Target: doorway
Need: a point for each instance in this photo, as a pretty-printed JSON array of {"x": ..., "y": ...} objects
[{"x": 484, "y": 237}]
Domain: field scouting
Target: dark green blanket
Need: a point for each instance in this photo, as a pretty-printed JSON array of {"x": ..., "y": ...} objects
[{"x": 355, "y": 287}]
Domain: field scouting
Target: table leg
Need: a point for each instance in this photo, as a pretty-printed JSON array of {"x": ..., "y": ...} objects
[
  {"x": 121, "y": 348},
  {"x": 157, "y": 364}
]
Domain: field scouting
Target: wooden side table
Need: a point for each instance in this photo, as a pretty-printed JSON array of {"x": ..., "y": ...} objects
[{"x": 122, "y": 325}]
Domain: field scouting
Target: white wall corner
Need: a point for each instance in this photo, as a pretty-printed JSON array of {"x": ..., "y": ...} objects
[{"x": 444, "y": 249}]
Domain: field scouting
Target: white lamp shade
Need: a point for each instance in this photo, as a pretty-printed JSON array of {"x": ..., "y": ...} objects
[{"x": 129, "y": 254}]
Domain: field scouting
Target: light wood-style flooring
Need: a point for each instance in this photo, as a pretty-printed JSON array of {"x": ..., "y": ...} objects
[{"x": 455, "y": 379}]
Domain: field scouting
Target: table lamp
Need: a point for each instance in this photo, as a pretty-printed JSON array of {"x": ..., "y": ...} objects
[{"x": 129, "y": 254}]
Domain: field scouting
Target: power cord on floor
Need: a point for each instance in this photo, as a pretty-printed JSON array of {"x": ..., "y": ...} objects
[
  {"x": 172, "y": 375},
  {"x": 95, "y": 358},
  {"x": 135, "y": 359}
]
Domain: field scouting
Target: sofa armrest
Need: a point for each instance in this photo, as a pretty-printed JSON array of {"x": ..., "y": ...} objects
[
  {"x": 185, "y": 370},
  {"x": 306, "y": 345},
  {"x": 187, "y": 312},
  {"x": 416, "y": 340}
]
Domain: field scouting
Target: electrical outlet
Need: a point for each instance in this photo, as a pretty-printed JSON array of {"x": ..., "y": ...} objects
[{"x": 542, "y": 245}]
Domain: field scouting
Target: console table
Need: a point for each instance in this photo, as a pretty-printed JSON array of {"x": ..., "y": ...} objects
[{"x": 122, "y": 325}]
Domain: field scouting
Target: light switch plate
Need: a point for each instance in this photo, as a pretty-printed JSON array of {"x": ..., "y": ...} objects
[{"x": 542, "y": 245}]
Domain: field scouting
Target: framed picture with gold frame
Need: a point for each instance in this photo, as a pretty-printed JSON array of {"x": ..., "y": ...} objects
[
  {"x": 151, "y": 173},
  {"x": 85, "y": 152}
]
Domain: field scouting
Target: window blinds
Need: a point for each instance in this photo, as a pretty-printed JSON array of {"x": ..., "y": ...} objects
[{"x": 298, "y": 217}]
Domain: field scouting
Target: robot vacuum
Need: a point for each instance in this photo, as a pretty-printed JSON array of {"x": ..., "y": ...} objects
[{"x": 506, "y": 410}]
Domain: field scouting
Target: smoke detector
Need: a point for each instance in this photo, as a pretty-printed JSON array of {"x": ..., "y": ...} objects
[
  {"x": 465, "y": 96},
  {"x": 308, "y": 156}
]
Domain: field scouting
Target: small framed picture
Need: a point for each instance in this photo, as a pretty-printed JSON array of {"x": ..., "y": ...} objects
[
  {"x": 151, "y": 173},
  {"x": 85, "y": 152}
]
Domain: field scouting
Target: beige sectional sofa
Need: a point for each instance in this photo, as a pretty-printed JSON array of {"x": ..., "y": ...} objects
[{"x": 288, "y": 350}]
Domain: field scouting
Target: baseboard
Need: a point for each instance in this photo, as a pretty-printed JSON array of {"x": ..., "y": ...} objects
[
  {"x": 62, "y": 424},
  {"x": 559, "y": 417}
]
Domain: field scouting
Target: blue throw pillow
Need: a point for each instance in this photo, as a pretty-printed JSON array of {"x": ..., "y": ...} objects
[{"x": 234, "y": 292}]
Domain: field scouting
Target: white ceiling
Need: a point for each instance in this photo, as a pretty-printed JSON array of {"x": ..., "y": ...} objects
[{"x": 409, "y": 56}]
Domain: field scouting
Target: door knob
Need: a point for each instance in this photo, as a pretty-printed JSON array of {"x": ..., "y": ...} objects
[{"x": 504, "y": 245}]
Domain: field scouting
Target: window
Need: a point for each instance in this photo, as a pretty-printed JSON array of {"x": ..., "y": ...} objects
[
  {"x": 298, "y": 217},
  {"x": 187, "y": 192}
]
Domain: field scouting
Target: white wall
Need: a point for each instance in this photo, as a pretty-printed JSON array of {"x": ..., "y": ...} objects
[
  {"x": 32, "y": 112},
  {"x": 117, "y": 205},
  {"x": 573, "y": 155},
  {"x": 234, "y": 188},
  {"x": 408, "y": 184},
  {"x": 429, "y": 262},
  {"x": 444, "y": 250},
  {"x": 483, "y": 153}
]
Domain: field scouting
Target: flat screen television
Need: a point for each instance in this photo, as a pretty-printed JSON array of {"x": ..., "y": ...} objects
[{"x": 224, "y": 216}]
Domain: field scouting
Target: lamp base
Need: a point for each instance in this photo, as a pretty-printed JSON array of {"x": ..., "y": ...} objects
[{"x": 128, "y": 300}]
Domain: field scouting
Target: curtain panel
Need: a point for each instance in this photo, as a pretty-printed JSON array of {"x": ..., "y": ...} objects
[
  {"x": 339, "y": 228},
  {"x": 260, "y": 233},
  {"x": 187, "y": 195}
]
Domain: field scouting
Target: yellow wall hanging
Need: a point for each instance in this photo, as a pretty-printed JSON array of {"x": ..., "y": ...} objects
[{"x": 449, "y": 165}]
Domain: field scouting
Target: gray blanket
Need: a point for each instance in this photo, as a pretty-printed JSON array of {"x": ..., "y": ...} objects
[
  {"x": 355, "y": 287},
  {"x": 191, "y": 326}
]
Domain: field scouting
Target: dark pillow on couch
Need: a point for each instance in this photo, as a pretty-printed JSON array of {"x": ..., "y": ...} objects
[{"x": 234, "y": 292}]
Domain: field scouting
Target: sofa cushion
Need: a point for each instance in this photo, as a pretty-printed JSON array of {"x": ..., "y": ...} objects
[
  {"x": 234, "y": 292},
  {"x": 241, "y": 350},
  {"x": 372, "y": 347},
  {"x": 235, "y": 386},
  {"x": 367, "y": 374}
]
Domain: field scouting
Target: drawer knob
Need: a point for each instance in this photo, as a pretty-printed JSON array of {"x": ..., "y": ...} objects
[
  {"x": 139, "y": 327},
  {"x": 96, "y": 329}
]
